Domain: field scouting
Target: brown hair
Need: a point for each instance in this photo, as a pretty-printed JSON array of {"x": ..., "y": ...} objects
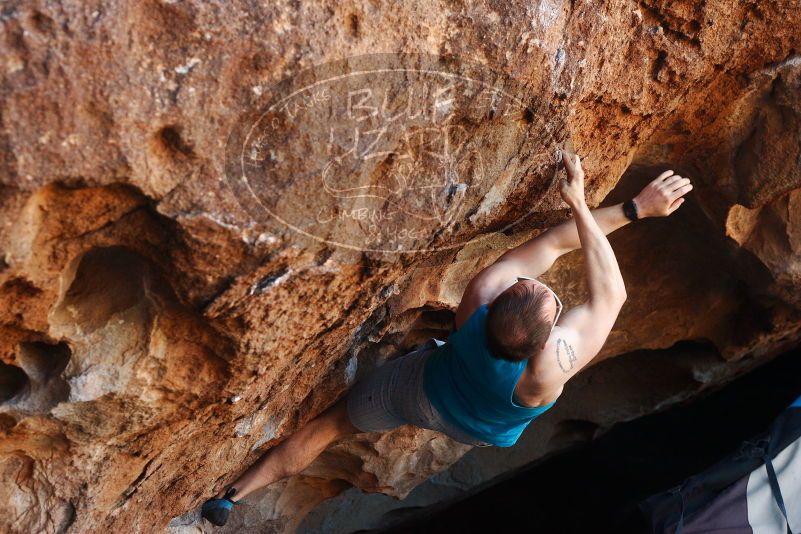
[{"x": 517, "y": 323}]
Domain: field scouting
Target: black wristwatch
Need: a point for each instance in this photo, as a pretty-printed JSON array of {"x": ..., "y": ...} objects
[{"x": 630, "y": 210}]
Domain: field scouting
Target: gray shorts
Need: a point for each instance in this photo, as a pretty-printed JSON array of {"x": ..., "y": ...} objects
[{"x": 393, "y": 395}]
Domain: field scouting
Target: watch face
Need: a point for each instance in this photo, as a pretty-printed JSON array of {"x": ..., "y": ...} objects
[{"x": 630, "y": 210}]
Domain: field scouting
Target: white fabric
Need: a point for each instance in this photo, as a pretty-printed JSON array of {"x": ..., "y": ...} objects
[{"x": 763, "y": 512}]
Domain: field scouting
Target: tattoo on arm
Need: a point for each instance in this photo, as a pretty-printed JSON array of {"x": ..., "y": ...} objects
[{"x": 565, "y": 355}]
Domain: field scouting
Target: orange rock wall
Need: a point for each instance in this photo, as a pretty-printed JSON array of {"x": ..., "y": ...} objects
[{"x": 156, "y": 337}]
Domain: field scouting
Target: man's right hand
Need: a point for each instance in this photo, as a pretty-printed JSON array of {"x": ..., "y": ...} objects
[{"x": 572, "y": 187}]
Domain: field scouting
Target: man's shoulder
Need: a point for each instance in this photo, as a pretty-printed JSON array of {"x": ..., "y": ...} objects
[
  {"x": 473, "y": 326},
  {"x": 540, "y": 387},
  {"x": 547, "y": 368}
]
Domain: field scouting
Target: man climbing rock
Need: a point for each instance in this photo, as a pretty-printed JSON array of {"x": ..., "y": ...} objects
[{"x": 509, "y": 358}]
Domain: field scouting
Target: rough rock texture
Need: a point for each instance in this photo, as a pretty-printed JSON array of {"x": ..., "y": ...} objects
[{"x": 157, "y": 336}]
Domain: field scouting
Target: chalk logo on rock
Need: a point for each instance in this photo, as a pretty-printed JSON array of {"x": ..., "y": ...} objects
[{"x": 383, "y": 152}]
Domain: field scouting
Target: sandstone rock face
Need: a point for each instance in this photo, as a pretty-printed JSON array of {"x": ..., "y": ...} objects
[{"x": 163, "y": 324}]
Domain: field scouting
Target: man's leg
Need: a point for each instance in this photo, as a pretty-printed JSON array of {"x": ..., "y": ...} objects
[{"x": 293, "y": 454}]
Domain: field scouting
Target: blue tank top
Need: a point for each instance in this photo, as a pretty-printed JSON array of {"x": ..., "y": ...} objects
[{"x": 473, "y": 390}]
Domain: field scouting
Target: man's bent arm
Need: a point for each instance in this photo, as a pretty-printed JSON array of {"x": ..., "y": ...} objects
[
  {"x": 603, "y": 273},
  {"x": 581, "y": 332}
]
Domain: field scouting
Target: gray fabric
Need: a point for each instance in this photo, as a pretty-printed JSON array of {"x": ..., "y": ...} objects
[
  {"x": 393, "y": 395},
  {"x": 727, "y": 514}
]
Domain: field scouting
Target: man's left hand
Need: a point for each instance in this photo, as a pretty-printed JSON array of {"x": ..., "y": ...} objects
[{"x": 663, "y": 195}]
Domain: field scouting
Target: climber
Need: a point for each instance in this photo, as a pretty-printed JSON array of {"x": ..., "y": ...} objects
[{"x": 508, "y": 359}]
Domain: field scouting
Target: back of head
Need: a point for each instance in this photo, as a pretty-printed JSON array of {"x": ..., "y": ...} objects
[{"x": 518, "y": 323}]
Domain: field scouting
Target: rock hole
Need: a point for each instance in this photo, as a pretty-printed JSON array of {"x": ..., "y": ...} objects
[
  {"x": 169, "y": 143},
  {"x": 44, "y": 361},
  {"x": 13, "y": 381},
  {"x": 528, "y": 116},
  {"x": 21, "y": 288},
  {"x": 7, "y": 422},
  {"x": 42, "y": 23},
  {"x": 106, "y": 281},
  {"x": 42, "y": 365},
  {"x": 659, "y": 63},
  {"x": 353, "y": 25}
]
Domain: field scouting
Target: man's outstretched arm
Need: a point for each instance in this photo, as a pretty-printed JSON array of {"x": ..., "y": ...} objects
[
  {"x": 565, "y": 235},
  {"x": 659, "y": 198},
  {"x": 539, "y": 253}
]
